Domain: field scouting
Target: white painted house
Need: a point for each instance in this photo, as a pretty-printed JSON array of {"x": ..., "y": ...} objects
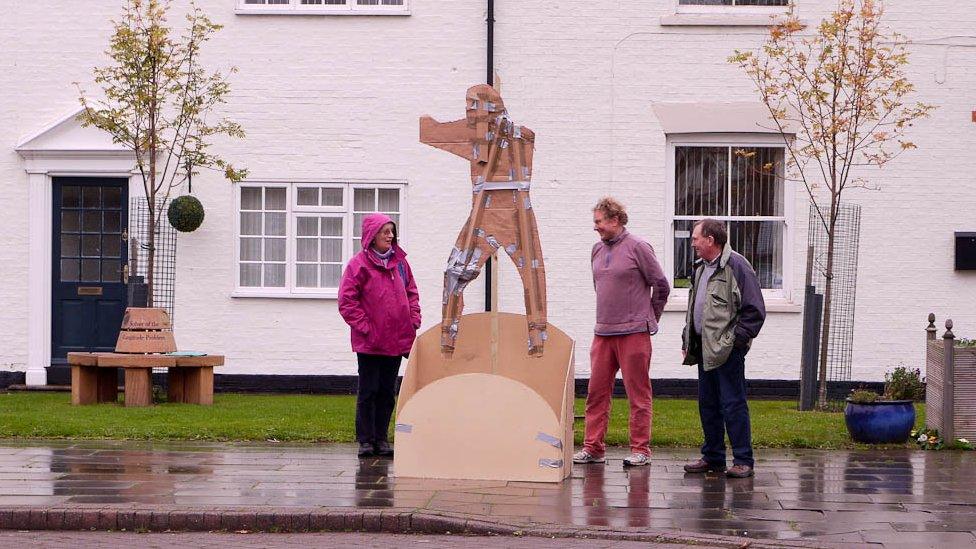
[{"x": 619, "y": 95}]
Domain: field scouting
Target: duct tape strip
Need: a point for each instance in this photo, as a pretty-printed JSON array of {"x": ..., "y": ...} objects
[
  {"x": 500, "y": 186},
  {"x": 517, "y": 132},
  {"x": 551, "y": 463},
  {"x": 493, "y": 242},
  {"x": 403, "y": 428},
  {"x": 535, "y": 263},
  {"x": 490, "y": 106},
  {"x": 527, "y": 204},
  {"x": 550, "y": 440},
  {"x": 511, "y": 249}
]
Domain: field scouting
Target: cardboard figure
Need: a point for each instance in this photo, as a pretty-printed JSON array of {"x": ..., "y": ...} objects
[{"x": 500, "y": 153}]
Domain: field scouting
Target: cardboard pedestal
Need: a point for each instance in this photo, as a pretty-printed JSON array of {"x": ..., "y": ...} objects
[{"x": 491, "y": 411}]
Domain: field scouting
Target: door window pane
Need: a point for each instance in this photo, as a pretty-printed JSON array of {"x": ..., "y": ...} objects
[
  {"x": 91, "y": 245},
  {"x": 90, "y": 270},
  {"x": 70, "y": 197},
  {"x": 70, "y": 221},
  {"x": 70, "y": 270},
  {"x": 70, "y": 245},
  {"x": 111, "y": 245},
  {"x": 111, "y": 270},
  {"x": 91, "y": 197},
  {"x": 91, "y": 222},
  {"x": 112, "y": 197},
  {"x": 112, "y": 222}
]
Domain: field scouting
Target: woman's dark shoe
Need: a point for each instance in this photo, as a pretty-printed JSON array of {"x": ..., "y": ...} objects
[
  {"x": 365, "y": 449},
  {"x": 383, "y": 448}
]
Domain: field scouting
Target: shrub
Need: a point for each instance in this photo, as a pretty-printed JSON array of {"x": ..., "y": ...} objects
[
  {"x": 863, "y": 396},
  {"x": 904, "y": 384}
]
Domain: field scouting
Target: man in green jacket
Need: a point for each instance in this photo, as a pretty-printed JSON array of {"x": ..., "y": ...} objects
[{"x": 725, "y": 312}]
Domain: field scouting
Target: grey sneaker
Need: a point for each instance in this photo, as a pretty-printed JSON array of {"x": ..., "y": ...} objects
[
  {"x": 585, "y": 457},
  {"x": 636, "y": 460}
]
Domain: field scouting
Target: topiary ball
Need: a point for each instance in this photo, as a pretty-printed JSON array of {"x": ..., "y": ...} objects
[{"x": 185, "y": 213}]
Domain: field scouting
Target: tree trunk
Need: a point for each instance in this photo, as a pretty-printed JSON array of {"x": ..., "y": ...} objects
[{"x": 828, "y": 291}]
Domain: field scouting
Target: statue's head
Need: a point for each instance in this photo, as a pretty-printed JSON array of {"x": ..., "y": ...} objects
[{"x": 484, "y": 103}]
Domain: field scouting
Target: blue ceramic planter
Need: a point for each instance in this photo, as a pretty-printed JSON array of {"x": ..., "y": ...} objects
[{"x": 883, "y": 422}]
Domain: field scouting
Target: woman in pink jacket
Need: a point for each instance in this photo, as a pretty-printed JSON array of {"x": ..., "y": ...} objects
[{"x": 378, "y": 299}]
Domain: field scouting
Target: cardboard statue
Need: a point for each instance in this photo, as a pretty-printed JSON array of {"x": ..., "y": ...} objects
[
  {"x": 507, "y": 412},
  {"x": 500, "y": 153}
]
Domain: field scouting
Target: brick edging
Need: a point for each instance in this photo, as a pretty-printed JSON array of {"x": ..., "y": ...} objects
[{"x": 320, "y": 519}]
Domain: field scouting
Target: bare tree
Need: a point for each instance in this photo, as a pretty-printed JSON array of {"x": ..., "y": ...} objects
[
  {"x": 843, "y": 90},
  {"x": 156, "y": 98}
]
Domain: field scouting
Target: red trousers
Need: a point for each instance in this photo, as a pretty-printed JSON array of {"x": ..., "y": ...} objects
[{"x": 631, "y": 354}]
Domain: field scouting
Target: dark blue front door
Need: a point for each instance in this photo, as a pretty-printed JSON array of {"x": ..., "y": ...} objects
[{"x": 88, "y": 290}]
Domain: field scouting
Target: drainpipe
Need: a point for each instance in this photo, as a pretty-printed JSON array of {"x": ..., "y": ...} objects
[{"x": 490, "y": 46}]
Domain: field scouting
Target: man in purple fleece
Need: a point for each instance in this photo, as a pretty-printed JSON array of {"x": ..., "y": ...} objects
[{"x": 631, "y": 290}]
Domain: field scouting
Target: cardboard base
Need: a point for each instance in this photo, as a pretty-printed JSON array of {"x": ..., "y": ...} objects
[{"x": 489, "y": 412}]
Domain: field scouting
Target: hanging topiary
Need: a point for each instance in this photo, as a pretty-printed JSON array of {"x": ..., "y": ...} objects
[{"x": 185, "y": 213}]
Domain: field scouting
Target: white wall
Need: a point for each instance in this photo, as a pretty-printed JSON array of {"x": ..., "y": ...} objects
[{"x": 336, "y": 98}]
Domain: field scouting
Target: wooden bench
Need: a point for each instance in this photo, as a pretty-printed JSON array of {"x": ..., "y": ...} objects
[{"x": 145, "y": 342}]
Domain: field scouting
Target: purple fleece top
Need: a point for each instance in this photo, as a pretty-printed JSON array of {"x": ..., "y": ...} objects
[{"x": 631, "y": 288}]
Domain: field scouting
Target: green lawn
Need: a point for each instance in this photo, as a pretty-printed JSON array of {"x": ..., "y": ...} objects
[{"x": 306, "y": 418}]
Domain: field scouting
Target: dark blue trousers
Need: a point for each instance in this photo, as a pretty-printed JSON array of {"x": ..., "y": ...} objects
[{"x": 722, "y": 407}]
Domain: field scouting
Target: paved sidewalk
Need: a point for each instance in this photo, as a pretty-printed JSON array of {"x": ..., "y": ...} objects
[{"x": 799, "y": 498}]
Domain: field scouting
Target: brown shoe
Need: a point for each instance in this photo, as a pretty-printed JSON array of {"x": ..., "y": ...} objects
[
  {"x": 739, "y": 471},
  {"x": 702, "y": 466}
]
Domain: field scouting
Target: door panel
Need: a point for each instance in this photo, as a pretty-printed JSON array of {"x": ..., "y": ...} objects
[{"x": 89, "y": 253}]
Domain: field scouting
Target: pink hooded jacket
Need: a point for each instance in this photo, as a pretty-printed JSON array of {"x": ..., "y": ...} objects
[{"x": 380, "y": 303}]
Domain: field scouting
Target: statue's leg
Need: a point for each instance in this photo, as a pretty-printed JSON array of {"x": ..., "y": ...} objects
[
  {"x": 527, "y": 255},
  {"x": 469, "y": 255}
]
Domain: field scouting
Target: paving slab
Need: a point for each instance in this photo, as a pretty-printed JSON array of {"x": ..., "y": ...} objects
[{"x": 798, "y": 498}]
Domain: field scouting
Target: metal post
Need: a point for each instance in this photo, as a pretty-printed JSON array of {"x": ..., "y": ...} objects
[{"x": 809, "y": 363}]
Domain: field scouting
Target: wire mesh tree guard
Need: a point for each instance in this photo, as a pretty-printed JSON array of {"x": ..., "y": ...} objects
[
  {"x": 843, "y": 291},
  {"x": 164, "y": 268}
]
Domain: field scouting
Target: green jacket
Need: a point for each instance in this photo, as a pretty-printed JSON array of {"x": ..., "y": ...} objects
[{"x": 731, "y": 317}]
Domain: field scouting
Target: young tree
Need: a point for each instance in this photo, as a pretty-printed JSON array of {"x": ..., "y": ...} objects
[
  {"x": 842, "y": 88},
  {"x": 156, "y": 100}
]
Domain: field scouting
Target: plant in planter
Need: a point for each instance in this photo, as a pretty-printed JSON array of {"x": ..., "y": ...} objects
[{"x": 887, "y": 419}]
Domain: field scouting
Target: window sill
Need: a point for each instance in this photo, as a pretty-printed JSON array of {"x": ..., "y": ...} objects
[
  {"x": 283, "y": 295},
  {"x": 773, "y": 305},
  {"x": 721, "y": 20},
  {"x": 317, "y": 12}
]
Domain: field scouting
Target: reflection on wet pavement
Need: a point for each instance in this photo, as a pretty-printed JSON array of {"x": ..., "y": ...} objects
[{"x": 895, "y": 497}]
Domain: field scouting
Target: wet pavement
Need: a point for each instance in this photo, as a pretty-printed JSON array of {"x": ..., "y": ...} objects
[{"x": 891, "y": 499}]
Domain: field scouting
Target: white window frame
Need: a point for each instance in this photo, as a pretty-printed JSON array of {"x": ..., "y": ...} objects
[
  {"x": 295, "y": 7},
  {"x": 777, "y": 295},
  {"x": 740, "y": 10},
  {"x": 292, "y": 212}
]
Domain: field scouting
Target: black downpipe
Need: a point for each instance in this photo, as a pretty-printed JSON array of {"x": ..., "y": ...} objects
[{"x": 491, "y": 82}]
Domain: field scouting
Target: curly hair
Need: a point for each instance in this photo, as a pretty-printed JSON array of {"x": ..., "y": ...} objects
[{"x": 612, "y": 208}]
